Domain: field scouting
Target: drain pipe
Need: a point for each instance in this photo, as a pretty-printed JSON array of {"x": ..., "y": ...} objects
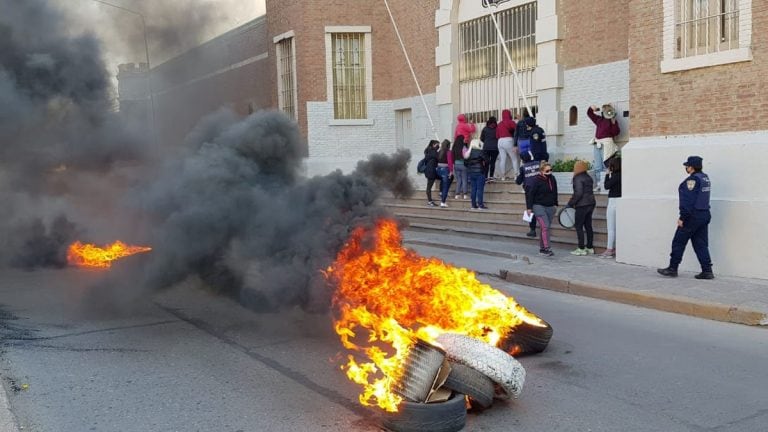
[{"x": 413, "y": 73}]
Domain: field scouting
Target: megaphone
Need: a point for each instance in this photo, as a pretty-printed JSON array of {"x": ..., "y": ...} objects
[{"x": 608, "y": 111}]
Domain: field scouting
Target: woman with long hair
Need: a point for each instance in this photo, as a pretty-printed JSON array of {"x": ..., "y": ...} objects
[
  {"x": 475, "y": 162},
  {"x": 430, "y": 155},
  {"x": 444, "y": 171},
  {"x": 613, "y": 186},
  {"x": 583, "y": 200},
  {"x": 459, "y": 169},
  {"x": 542, "y": 202}
]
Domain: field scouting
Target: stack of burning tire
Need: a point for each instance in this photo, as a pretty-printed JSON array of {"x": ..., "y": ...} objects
[{"x": 477, "y": 372}]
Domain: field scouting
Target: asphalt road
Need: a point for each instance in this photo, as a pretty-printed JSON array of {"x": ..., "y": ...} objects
[{"x": 187, "y": 360}]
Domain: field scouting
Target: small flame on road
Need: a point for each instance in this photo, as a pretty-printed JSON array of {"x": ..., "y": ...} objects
[
  {"x": 89, "y": 255},
  {"x": 388, "y": 296}
]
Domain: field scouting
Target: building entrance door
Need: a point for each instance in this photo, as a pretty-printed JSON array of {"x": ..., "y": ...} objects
[{"x": 403, "y": 128}]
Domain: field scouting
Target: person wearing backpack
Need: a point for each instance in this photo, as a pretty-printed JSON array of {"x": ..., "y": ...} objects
[{"x": 430, "y": 170}]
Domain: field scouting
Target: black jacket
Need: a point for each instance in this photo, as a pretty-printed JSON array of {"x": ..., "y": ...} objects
[
  {"x": 475, "y": 162},
  {"x": 543, "y": 192},
  {"x": 613, "y": 184},
  {"x": 488, "y": 137},
  {"x": 430, "y": 155},
  {"x": 583, "y": 196}
]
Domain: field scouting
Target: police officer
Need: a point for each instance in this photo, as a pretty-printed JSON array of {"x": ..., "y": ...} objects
[
  {"x": 526, "y": 177},
  {"x": 693, "y": 223}
]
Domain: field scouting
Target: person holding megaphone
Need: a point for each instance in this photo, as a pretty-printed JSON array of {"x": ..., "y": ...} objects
[{"x": 606, "y": 129}]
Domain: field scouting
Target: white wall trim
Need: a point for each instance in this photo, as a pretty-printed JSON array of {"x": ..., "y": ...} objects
[
  {"x": 741, "y": 54},
  {"x": 286, "y": 35},
  {"x": 350, "y": 122},
  {"x": 347, "y": 29},
  {"x": 329, "y": 30}
]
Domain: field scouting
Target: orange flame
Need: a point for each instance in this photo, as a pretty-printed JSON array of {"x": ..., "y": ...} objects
[
  {"x": 89, "y": 255},
  {"x": 388, "y": 296}
]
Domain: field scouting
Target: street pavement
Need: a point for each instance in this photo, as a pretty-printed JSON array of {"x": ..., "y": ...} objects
[
  {"x": 729, "y": 299},
  {"x": 188, "y": 360}
]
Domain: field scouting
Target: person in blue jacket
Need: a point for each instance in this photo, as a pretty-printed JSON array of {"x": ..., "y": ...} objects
[{"x": 693, "y": 223}]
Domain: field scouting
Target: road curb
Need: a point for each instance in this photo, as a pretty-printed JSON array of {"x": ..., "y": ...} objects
[
  {"x": 667, "y": 303},
  {"x": 7, "y": 420}
]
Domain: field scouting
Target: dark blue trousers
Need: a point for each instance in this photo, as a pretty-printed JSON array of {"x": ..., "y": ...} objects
[{"x": 695, "y": 229}]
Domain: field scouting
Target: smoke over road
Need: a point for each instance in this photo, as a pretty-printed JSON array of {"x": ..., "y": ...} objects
[{"x": 231, "y": 208}]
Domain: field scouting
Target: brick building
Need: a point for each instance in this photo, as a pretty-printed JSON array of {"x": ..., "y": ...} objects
[{"x": 672, "y": 67}]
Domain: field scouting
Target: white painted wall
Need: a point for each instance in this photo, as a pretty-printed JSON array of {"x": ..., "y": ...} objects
[
  {"x": 333, "y": 147},
  {"x": 647, "y": 212},
  {"x": 592, "y": 85}
]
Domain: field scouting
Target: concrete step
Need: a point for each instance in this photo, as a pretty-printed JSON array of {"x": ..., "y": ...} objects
[
  {"x": 511, "y": 196},
  {"x": 497, "y": 210},
  {"x": 563, "y": 237},
  {"x": 440, "y": 218}
]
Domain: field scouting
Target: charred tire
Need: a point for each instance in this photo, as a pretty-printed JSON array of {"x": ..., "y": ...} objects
[
  {"x": 492, "y": 362},
  {"x": 448, "y": 416},
  {"x": 528, "y": 339},
  {"x": 464, "y": 379}
]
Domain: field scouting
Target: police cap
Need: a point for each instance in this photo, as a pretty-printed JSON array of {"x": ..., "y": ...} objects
[{"x": 694, "y": 161}]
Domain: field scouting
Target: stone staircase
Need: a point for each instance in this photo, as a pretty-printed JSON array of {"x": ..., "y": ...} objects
[{"x": 503, "y": 219}]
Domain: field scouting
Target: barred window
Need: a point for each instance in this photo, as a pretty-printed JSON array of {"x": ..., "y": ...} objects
[
  {"x": 481, "y": 54},
  {"x": 286, "y": 82},
  {"x": 706, "y": 26},
  {"x": 348, "y": 65}
]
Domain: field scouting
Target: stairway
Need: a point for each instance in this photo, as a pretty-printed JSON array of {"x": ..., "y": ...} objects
[{"x": 503, "y": 219}]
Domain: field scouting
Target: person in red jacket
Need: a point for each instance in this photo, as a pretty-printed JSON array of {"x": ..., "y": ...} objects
[
  {"x": 505, "y": 132},
  {"x": 464, "y": 128}
]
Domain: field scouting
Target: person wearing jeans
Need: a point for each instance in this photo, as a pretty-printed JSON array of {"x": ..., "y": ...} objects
[
  {"x": 583, "y": 200},
  {"x": 613, "y": 186},
  {"x": 444, "y": 171},
  {"x": 456, "y": 158},
  {"x": 475, "y": 163},
  {"x": 542, "y": 202}
]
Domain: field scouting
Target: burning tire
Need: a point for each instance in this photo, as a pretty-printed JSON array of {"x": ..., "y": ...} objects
[
  {"x": 448, "y": 416},
  {"x": 492, "y": 362},
  {"x": 528, "y": 338},
  {"x": 464, "y": 379}
]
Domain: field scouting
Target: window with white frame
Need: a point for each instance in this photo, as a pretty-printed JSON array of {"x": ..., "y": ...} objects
[
  {"x": 706, "y": 26},
  {"x": 349, "y": 71},
  {"x": 702, "y": 33},
  {"x": 286, "y": 76}
]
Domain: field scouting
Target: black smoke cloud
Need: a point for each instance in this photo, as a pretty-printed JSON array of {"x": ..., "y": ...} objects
[
  {"x": 237, "y": 214},
  {"x": 56, "y": 128}
]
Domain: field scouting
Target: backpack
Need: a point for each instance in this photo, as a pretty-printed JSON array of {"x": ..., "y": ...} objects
[{"x": 421, "y": 168}]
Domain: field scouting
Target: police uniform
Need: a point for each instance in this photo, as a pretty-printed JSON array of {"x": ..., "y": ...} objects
[
  {"x": 694, "y": 194},
  {"x": 526, "y": 177}
]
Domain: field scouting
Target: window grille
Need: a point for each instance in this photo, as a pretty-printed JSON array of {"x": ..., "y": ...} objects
[
  {"x": 481, "y": 54},
  {"x": 706, "y": 26},
  {"x": 349, "y": 75},
  {"x": 286, "y": 78}
]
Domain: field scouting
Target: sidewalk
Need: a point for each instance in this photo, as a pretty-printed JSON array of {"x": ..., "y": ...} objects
[{"x": 729, "y": 299}]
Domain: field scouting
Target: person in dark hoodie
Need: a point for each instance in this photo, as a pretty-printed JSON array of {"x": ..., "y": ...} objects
[
  {"x": 583, "y": 200},
  {"x": 430, "y": 154},
  {"x": 474, "y": 161},
  {"x": 505, "y": 132},
  {"x": 541, "y": 201},
  {"x": 527, "y": 175},
  {"x": 490, "y": 146},
  {"x": 464, "y": 128},
  {"x": 532, "y": 139},
  {"x": 444, "y": 171}
]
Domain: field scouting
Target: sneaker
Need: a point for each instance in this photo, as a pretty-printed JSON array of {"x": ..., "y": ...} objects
[
  {"x": 608, "y": 253},
  {"x": 579, "y": 252},
  {"x": 669, "y": 272},
  {"x": 456, "y": 197},
  {"x": 590, "y": 251},
  {"x": 546, "y": 252},
  {"x": 483, "y": 207},
  {"x": 443, "y": 205},
  {"x": 531, "y": 233},
  {"x": 474, "y": 208},
  {"x": 465, "y": 197},
  {"x": 431, "y": 204},
  {"x": 705, "y": 275}
]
